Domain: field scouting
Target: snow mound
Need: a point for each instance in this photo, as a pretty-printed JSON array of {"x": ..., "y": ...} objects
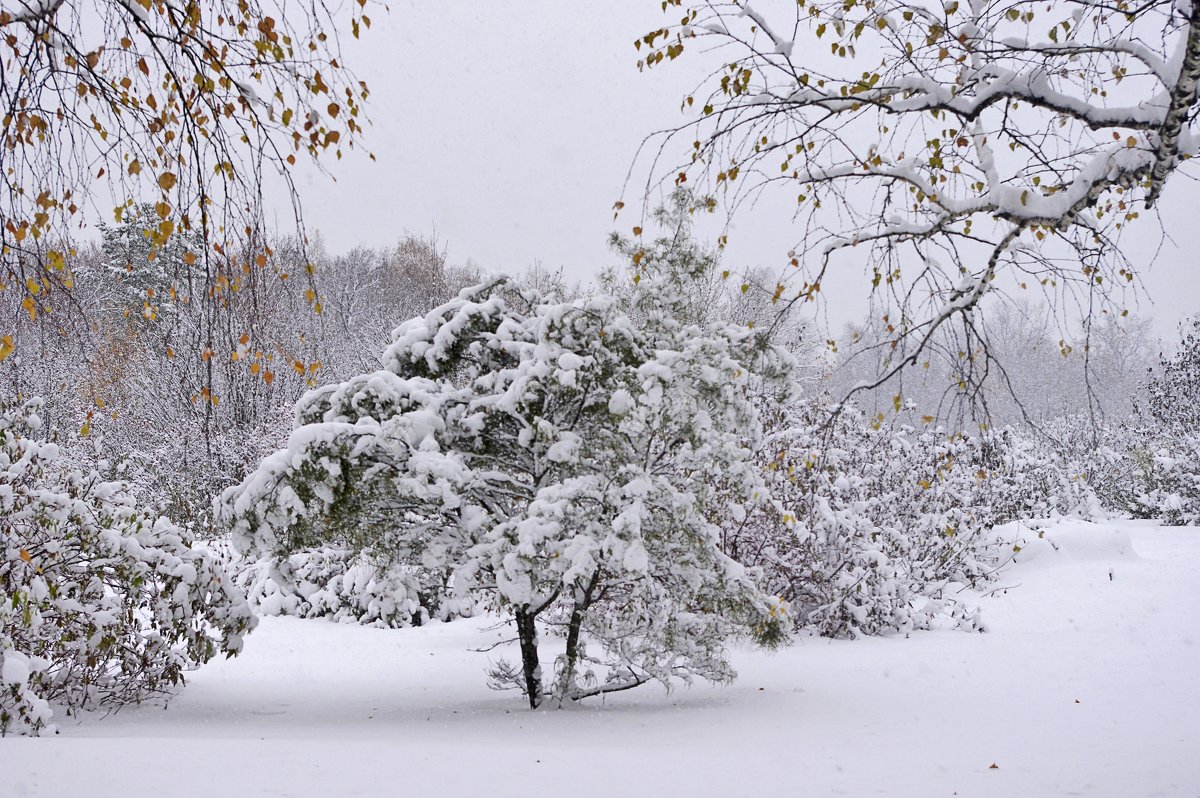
[{"x": 1051, "y": 541}]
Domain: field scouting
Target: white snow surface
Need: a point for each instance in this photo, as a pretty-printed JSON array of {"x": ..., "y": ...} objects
[{"x": 1085, "y": 685}]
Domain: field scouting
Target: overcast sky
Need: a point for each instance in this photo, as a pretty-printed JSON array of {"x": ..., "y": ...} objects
[{"x": 508, "y": 128}]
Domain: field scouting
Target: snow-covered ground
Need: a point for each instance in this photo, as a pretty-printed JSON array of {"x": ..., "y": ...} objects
[{"x": 1087, "y": 684}]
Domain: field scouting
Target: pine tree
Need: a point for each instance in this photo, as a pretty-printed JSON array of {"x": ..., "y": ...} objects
[{"x": 556, "y": 462}]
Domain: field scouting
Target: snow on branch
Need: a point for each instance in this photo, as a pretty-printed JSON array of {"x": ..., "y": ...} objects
[
  {"x": 28, "y": 11},
  {"x": 926, "y": 142}
]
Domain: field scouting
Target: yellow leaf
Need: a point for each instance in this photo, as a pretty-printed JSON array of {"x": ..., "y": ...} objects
[
  {"x": 6, "y": 347},
  {"x": 167, "y": 181},
  {"x": 25, "y": 555}
]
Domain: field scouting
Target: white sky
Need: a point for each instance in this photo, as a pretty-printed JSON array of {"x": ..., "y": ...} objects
[{"x": 509, "y": 127}]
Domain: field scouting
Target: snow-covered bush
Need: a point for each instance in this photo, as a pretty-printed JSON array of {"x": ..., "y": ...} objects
[
  {"x": 1164, "y": 482},
  {"x": 340, "y": 584},
  {"x": 1021, "y": 475},
  {"x": 1141, "y": 468},
  {"x": 1146, "y": 465},
  {"x": 1175, "y": 391},
  {"x": 875, "y": 528},
  {"x": 552, "y": 460},
  {"x": 1097, "y": 458},
  {"x": 100, "y": 602},
  {"x": 1170, "y": 463}
]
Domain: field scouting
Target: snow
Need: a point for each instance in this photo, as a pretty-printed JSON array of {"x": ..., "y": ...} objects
[
  {"x": 1086, "y": 684},
  {"x": 621, "y": 402},
  {"x": 636, "y": 560},
  {"x": 16, "y": 668}
]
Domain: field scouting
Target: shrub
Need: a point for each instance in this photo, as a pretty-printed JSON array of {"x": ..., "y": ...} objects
[
  {"x": 100, "y": 602},
  {"x": 874, "y": 528}
]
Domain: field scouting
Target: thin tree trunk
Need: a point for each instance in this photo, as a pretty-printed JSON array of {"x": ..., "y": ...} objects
[
  {"x": 567, "y": 680},
  {"x": 583, "y": 600},
  {"x": 532, "y": 670}
]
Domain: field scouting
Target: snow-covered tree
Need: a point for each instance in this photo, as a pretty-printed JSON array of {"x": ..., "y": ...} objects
[
  {"x": 555, "y": 461},
  {"x": 675, "y": 256},
  {"x": 100, "y": 601},
  {"x": 943, "y": 150},
  {"x": 706, "y": 293},
  {"x": 150, "y": 275}
]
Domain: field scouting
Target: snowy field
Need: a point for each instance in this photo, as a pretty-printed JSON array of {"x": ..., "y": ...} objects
[{"x": 1088, "y": 684}]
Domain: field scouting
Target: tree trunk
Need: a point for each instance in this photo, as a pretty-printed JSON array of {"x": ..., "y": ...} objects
[
  {"x": 583, "y": 600},
  {"x": 1183, "y": 99},
  {"x": 567, "y": 679},
  {"x": 532, "y": 670}
]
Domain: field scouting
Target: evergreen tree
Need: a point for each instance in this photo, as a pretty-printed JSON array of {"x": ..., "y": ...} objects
[{"x": 553, "y": 461}]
